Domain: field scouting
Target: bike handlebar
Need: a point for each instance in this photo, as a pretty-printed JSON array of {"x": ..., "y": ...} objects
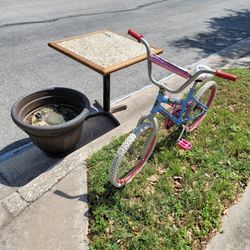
[
  {"x": 225, "y": 75},
  {"x": 192, "y": 78},
  {"x": 135, "y": 35}
]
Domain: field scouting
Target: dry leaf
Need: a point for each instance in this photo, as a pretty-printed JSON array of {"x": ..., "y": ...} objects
[
  {"x": 135, "y": 200},
  {"x": 149, "y": 190},
  {"x": 225, "y": 212},
  {"x": 231, "y": 108},
  {"x": 177, "y": 185},
  {"x": 194, "y": 168},
  {"x": 206, "y": 187},
  {"x": 111, "y": 222},
  {"x": 160, "y": 222},
  {"x": 239, "y": 196},
  {"x": 170, "y": 219},
  {"x": 242, "y": 184},
  {"x": 160, "y": 171},
  {"x": 153, "y": 178},
  {"x": 136, "y": 231},
  {"x": 189, "y": 235},
  {"x": 120, "y": 242},
  {"x": 178, "y": 178}
]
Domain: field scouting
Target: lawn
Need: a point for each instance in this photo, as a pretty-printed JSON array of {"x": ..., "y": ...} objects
[{"x": 177, "y": 201}]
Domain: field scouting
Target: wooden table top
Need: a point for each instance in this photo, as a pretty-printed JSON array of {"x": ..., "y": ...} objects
[{"x": 103, "y": 51}]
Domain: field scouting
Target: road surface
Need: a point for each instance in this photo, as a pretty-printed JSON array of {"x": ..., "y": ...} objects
[{"x": 187, "y": 31}]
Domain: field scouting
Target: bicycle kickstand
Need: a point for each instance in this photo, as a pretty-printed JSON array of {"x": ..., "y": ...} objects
[{"x": 182, "y": 143}]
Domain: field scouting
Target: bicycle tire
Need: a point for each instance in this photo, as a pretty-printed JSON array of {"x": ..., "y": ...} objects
[
  {"x": 114, "y": 172},
  {"x": 212, "y": 86}
]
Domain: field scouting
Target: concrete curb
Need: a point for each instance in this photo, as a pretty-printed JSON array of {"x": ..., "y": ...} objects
[
  {"x": 138, "y": 104},
  {"x": 32, "y": 191},
  {"x": 235, "y": 223}
]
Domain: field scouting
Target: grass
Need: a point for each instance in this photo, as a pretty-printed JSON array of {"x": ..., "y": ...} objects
[{"x": 177, "y": 200}]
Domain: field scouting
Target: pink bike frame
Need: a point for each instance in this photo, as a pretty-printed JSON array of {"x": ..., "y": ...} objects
[{"x": 170, "y": 66}]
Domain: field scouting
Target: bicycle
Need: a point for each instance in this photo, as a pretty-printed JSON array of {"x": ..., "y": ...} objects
[{"x": 186, "y": 113}]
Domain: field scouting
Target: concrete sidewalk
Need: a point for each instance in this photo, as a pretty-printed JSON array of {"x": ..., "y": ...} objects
[{"x": 51, "y": 211}]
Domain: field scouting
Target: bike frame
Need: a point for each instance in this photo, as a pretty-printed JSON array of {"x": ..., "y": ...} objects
[
  {"x": 179, "y": 120},
  {"x": 181, "y": 110},
  {"x": 163, "y": 99},
  {"x": 171, "y": 67}
]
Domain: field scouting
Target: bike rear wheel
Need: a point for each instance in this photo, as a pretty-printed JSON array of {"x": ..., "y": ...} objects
[
  {"x": 205, "y": 95},
  {"x": 133, "y": 153}
]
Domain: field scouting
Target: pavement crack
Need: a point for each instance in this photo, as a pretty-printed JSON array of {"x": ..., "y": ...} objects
[
  {"x": 83, "y": 15},
  {"x": 21, "y": 196}
]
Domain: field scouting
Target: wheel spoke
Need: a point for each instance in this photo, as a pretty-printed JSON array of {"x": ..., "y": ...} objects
[
  {"x": 205, "y": 96},
  {"x": 133, "y": 153}
]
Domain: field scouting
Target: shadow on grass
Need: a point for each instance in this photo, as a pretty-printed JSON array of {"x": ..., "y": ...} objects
[
  {"x": 167, "y": 142},
  {"x": 222, "y": 32}
]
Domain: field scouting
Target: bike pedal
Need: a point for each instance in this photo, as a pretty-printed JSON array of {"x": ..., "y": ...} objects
[{"x": 184, "y": 144}]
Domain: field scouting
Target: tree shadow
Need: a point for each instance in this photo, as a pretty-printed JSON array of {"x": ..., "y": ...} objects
[{"x": 222, "y": 32}]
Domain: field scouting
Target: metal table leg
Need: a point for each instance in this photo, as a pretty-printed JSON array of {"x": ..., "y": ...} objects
[
  {"x": 106, "y": 97},
  {"x": 106, "y": 93}
]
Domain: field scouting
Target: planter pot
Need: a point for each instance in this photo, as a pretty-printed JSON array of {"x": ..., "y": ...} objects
[{"x": 58, "y": 138}]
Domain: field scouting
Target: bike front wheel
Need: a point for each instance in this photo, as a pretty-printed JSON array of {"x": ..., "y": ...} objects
[
  {"x": 205, "y": 95},
  {"x": 133, "y": 153}
]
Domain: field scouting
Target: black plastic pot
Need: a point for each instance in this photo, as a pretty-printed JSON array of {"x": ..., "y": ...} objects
[{"x": 56, "y": 139}]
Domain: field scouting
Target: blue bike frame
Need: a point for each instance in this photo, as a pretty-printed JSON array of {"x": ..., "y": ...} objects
[{"x": 179, "y": 120}]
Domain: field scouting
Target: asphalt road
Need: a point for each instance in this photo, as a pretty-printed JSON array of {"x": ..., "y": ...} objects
[{"x": 187, "y": 31}]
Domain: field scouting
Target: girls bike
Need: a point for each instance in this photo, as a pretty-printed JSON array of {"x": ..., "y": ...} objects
[{"x": 186, "y": 113}]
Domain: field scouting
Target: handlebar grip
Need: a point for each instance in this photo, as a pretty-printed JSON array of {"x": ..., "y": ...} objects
[
  {"x": 135, "y": 35},
  {"x": 225, "y": 75}
]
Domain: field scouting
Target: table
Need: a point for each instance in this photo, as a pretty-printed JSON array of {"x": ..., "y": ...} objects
[{"x": 104, "y": 52}]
